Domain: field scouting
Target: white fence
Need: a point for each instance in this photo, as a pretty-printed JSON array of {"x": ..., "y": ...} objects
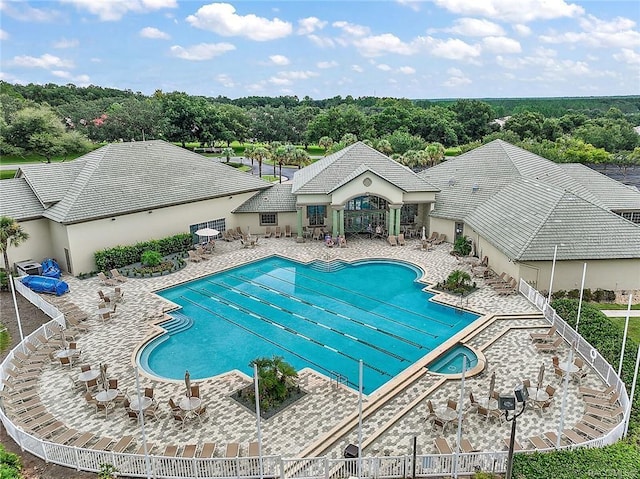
[{"x": 432, "y": 465}]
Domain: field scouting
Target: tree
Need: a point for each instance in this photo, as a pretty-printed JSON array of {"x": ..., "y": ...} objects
[
  {"x": 526, "y": 124},
  {"x": 37, "y": 130},
  {"x": 11, "y": 234},
  {"x": 300, "y": 158},
  {"x": 402, "y": 141},
  {"x": 276, "y": 378},
  {"x": 325, "y": 142},
  {"x": 227, "y": 153},
  {"x": 435, "y": 153},
  {"x": 475, "y": 117},
  {"x": 261, "y": 153}
]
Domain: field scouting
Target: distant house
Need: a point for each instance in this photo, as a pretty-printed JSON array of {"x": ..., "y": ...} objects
[{"x": 515, "y": 206}]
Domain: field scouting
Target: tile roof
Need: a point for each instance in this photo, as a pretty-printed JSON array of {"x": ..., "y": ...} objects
[
  {"x": 18, "y": 200},
  {"x": 327, "y": 174},
  {"x": 122, "y": 178},
  {"x": 277, "y": 199},
  {"x": 527, "y": 218},
  {"x": 615, "y": 195},
  {"x": 51, "y": 181}
]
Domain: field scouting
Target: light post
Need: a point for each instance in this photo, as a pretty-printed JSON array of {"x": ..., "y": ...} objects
[{"x": 509, "y": 403}]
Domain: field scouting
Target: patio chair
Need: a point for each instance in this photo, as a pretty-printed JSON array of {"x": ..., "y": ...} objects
[
  {"x": 431, "y": 412},
  {"x": 104, "y": 298},
  {"x": 393, "y": 241},
  {"x": 317, "y": 234},
  {"x": 433, "y": 237},
  {"x": 278, "y": 232},
  {"x": 599, "y": 393},
  {"x": 466, "y": 446},
  {"x": 194, "y": 257},
  {"x": 474, "y": 403},
  {"x": 189, "y": 450},
  {"x": 442, "y": 446},
  {"x": 549, "y": 347},
  {"x": 239, "y": 233},
  {"x": 179, "y": 418},
  {"x": 207, "y": 451},
  {"x": 173, "y": 406},
  {"x": 510, "y": 288},
  {"x": 538, "y": 442},
  {"x": 441, "y": 239},
  {"x": 195, "y": 390},
  {"x": 602, "y": 402},
  {"x": 232, "y": 450},
  {"x": 115, "y": 274},
  {"x": 123, "y": 444},
  {"x": 287, "y": 231},
  {"x": 170, "y": 451},
  {"x": 106, "y": 281},
  {"x": 497, "y": 280},
  {"x": 118, "y": 295},
  {"x": 401, "y": 240},
  {"x": 516, "y": 445},
  {"x": 268, "y": 233},
  {"x": 228, "y": 236},
  {"x": 546, "y": 336},
  {"x": 597, "y": 424}
]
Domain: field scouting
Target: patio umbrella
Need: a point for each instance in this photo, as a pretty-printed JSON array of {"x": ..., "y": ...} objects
[
  {"x": 424, "y": 233},
  {"x": 492, "y": 384},
  {"x": 63, "y": 338},
  {"x": 103, "y": 376},
  {"x": 187, "y": 382},
  {"x": 541, "y": 376},
  {"x": 207, "y": 233}
]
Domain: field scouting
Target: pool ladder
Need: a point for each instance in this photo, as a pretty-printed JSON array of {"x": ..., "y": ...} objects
[{"x": 338, "y": 379}]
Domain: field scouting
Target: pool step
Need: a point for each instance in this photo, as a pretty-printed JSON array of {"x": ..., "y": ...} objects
[
  {"x": 328, "y": 266},
  {"x": 179, "y": 322}
]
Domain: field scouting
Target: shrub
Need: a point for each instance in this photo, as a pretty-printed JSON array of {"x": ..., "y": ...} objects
[
  {"x": 462, "y": 246},
  {"x": 151, "y": 258},
  {"x": 10, "y": 465},
  {"x": 120, "y": 256}
]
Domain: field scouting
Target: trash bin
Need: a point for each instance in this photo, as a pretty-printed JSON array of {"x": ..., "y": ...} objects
[{"x": 351, "y": 451}]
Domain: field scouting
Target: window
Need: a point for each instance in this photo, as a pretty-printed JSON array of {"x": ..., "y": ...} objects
[
  {"x": 408, "y": 214},
  {"x": 219, "y": 224},
  {"x": 316, "y": 214},
  {"x": 633, "y": 216},
  {"x": 459, "y": 229},
  {"x": 268, "y": 219}
]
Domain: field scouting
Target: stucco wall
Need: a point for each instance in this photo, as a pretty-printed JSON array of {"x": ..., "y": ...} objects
[
  {"x": 442, "y": 226},
  {"x": 378, "y": 187},
  {"x": 252, "y": 221},
  {"x": 36, "y": 248}
]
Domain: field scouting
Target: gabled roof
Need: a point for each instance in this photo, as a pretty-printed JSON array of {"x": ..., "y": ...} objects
[
  {"x": 615, "y": 195},
  {"x": 527, "y": 218},
  {"x": 327, "y": 174},
  {"x": 491, "y": 167},
  {"x": 18, "y": 200},
  {"x": 277, "y": 199},
  {"x": 122, "y": 178},
  {"x": 51, "y": 181}
]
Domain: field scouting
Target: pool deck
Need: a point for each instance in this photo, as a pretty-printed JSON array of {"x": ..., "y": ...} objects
[{"x": 322, "y": 422}]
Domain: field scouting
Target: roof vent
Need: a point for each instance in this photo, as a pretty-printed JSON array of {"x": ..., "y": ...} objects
[
  {"x": 475, "y": 188},
  {"x": 452, "y": 181}
]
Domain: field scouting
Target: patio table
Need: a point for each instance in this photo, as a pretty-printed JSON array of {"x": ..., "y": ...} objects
[
  {"x": 145, "y": 403},
  {"x": 190, "y": 404},
  {"x": 568, "y": 367},
  {"x": 488, "y": 403},
  {"x": 66, "y": 353},
  {"x": 539, "y": 395},
  {"x": 89, "y": 375}
]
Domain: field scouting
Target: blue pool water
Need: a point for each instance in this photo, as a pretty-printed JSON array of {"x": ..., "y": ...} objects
[
  {"x": 326, "y": 316},
  {"x": 452, "y": 361}
]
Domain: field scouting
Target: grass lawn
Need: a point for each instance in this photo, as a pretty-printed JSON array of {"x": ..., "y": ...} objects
[
  {"x": 634, "y": 326},
  {"x": 615, "y": 306},
  {"x": 6, "y": 174}
]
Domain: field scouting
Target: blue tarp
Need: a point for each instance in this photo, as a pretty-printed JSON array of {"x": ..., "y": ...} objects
[
  {"x": 51, "y": 269},
  {"x": 43, "y": 284}
]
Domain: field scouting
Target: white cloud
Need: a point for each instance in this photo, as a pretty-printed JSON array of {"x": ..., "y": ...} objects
[
  {"x": 221, "y": 18},
  {"x": 380, "y": 44},
  {"x": 65, "y": 43},
  {"x": 501, "y": 45},
  {"x": 522, "y": 11},
  {"x": 407, "y": 70},
  {"x": 322, "y": 42},
  {"x": 3, "y": 35},
  {"x": 280, "y": 81},
  {"x": 522, "y": 30},
  {"x": 154, "y": 33},
  {"x": 617, "y": 33},
  {"x": 112, "y": 10},
  {"x": 297, "y": 75},
  {"x": 473, "y": 27},
  {"x": 23, "y": 12},
  {"x": 352, "y": 29},
  {"x": 225, "y": 80},
  {"x": 202, "y": 51},
  {"x": 456, "y": 78},
  {"x": 325, "y": 65},
  {"x": 43, "y": 61},
  {"x": 412, "y": 4},
  {"x": 384, "y": 67},
  {"x": 357, "y": 68},
  {"x": 629, "y": 56},
  {"x": 78, "y": 80},
  {"x": 452, "y": 48},
  {"x": 279, "y": 60},
  {"x": 309, "y": 25}
]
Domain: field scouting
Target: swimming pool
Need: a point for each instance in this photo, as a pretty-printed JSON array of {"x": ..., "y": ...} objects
[
  {"x": 326, "y": 316},
  {"x": 452, "y": 361}
]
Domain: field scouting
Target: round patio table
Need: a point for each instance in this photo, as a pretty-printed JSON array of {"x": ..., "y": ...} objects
[
  {"x": 66, "y": 353},
  {"x": 88, "y": 375},
  {"x": 145, "y": 403},
  {"x": 538, "y": 394},
  {"x": 568, "y": 367},
  {"x": 488, "y": 403},
  {"x": 106, "y": 395},
  {"x": 190, "y": 403}
]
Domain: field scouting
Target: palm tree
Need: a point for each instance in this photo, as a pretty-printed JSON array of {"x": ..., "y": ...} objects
[
  {"x": 261, "y": 153},
  {"x": 227, "y": 153},
  {"x": 435, "y": 153},
  {"x": 300, "y": 157},
  {"x": 325, "y": 142},
  {"x": 11, "y": 234},
  {"x": 249, "y": 152},
  {"x": 384, "y": 147}
]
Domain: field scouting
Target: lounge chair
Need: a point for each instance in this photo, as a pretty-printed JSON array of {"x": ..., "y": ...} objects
[
  {"x": 587, "y": 430},
  {"x": 595, "y": 423},
  {"x": 516, "y": 445},
  {"x": 115, "y": 274},
  {"x": 106, "y": 281},
  {"x": 278, "y": 232},
  {"x": 233, "y": 450},
  {"x": 433, "y": 237},
  {"x": 510, "y": 288},
  {"x": 602, "y": 402},
  {"x": 466, "y": 446},
  {"x": 393, "y": 241},
  {"x": 601, "y": 393},
  {"x": 442, "y": 446},
  {"x": 83, "y": 440},
  {"x": 170, "y": 451},
  {"x": 317, "y": 234},
  {"x": 123, "y": 444},
  {"x": 441, "y": 239},
  {"x": 287, "y": 231},
  {"x": 401, "y": 240},
  {"x": 65, "y": 436},
  {"x": 497, "y": 280},
  {"x": 207, "y": 451},
  {"x": 253, "y": 449},
  {"x": 268, "y": 233},
  {"x": 102, "y": 444},
  {"x": 195, "y": 257},
  {"x": 609, "y": 414},
  {"x": 538, "y": 442},
  {"x": 238, "y": 233},
  {"x": 548, "y": 347},
  {"x": 228, "y": 236},
  {"x": 189, "y": 450},
  {"x": 573, "y": 437},
  {"x": 547, "y": 336}
]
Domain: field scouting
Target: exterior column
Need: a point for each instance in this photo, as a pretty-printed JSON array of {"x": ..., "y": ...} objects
[
  {"x": 299, "y": 238},
  {"x": 398, "y": 218},
  {"x": 391, "y": 220},
  {"x": 341, "y": 220},
  {"x": 334, "y": 221}
]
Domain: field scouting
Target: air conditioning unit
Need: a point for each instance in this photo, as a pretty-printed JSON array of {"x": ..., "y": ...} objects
[{"x": 28, "y": 267}]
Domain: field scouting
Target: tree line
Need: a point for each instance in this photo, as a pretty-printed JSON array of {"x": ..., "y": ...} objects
[{"x": 50, "y": 120}]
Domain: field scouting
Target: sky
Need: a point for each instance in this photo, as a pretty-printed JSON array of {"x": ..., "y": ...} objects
[{"x": 322, "y": 49}]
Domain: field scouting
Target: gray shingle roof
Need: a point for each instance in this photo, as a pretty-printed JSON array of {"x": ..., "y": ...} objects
[
  {"x": 527, "y": 218},
  {"x": 122, "y": 178},
  {"x": 492, "y": 167},
  {"x": 18, "y": 200},
  {"x": 277, "y": 199},
  {"x": 615, "y": 195},
  {"x": 327, "y": 174},
  {"x": 50, "y": 181}
]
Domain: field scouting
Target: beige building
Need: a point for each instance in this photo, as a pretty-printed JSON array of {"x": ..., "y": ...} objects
[{"x": 514, "y": 205}]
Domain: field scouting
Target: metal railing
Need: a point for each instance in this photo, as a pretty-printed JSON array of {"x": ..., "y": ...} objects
[{"x": 430, "y": 465}]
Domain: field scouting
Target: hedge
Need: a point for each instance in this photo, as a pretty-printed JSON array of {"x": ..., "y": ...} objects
[
  {"x": 10, "y": 464},
  {"x": 120, "y": 256}
]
